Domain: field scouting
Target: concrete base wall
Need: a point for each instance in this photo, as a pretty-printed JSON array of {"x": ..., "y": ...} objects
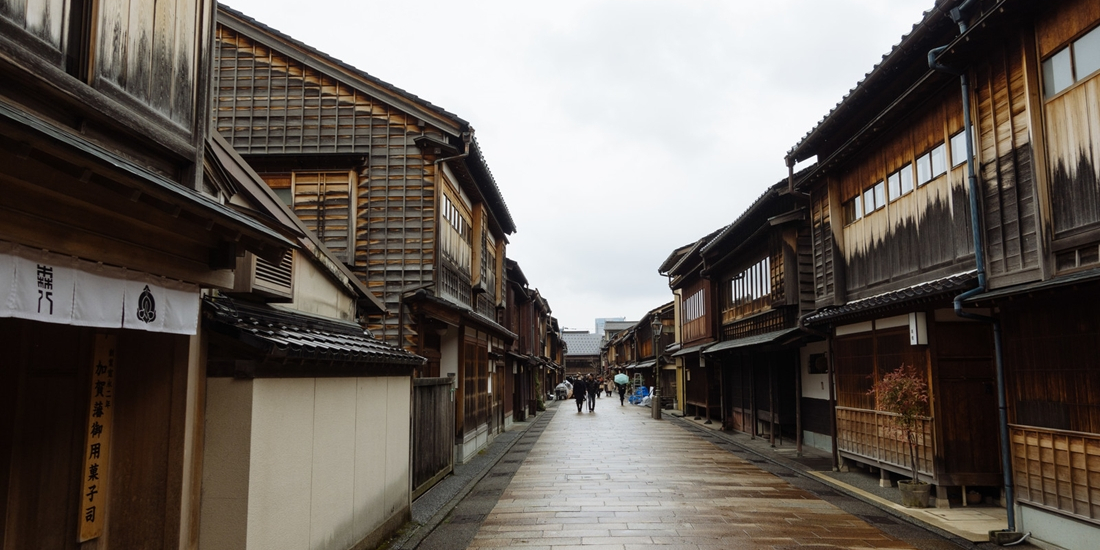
[
  {"x": 1055, "y": 531},
  {"x": 817, "y": 441}
]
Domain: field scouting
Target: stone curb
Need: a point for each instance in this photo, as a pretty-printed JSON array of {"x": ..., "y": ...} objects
[{"x": 413, "y": 539}]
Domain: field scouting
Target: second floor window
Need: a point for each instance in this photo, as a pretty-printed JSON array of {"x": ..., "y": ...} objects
[
  {"x": 932, "y": 164},
  {"x": 1071, "y": 64},
  {"x": 874, "y": 197},
  {"x": 958, "y": 148},
  {"x": 900, "y": 182},
  {"x": 694, "y": 307},
  {"x": 455, "y": 235},
  {"x": 853, "y": 209},
  {"x": 755, "y": 282}
]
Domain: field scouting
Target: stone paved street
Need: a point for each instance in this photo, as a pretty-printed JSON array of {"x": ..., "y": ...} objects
[{"x": 617, "y": 479}]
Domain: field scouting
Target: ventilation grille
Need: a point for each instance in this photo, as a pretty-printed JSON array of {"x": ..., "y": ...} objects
[{"x": 276, "y": 278}]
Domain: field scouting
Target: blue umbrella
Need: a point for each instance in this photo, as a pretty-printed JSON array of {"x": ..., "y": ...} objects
[{"x": 622, "y": 379}]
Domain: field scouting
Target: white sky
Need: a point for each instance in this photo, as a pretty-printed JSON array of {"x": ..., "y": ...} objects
[{"x": 617, "y": 130}]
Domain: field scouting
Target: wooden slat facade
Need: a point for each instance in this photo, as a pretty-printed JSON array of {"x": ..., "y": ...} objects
[
  {"x": 925, "y": 230},
  {"x": 432, "y": 451},
  {"x": 269, "y": 103},
  {"x": 1006, "y": 165},
  {"x": 1057, "y": 470}
]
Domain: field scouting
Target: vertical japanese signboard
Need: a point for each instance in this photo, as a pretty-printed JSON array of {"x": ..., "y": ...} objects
[{"x": 93, "y": 495}]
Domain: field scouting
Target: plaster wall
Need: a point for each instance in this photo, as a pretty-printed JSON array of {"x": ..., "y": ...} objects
[
  {"x": 1048, "y": 529},
  {"x": 226, "y": 456},
  {"x": 814, "y": 386},
  {"x": 315, "y": 293},
  {"x": 305, "y": 463}
]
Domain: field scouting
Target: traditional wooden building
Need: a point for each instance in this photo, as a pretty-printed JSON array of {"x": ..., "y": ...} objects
[
  {"x": 521, "y": 355},
  {"x": 1001, "y": 94},
  {"x": 761, "y": 268},
  {"x": 396, "y": 187},
  {"x": 695, "y": 329},
  {"x": 307, "y": 439},
  {"x": 582, "y": 352},
  {"x": 109, "y": 232},
  {"x": 892, "y": 243},
  {"x": 634, "y": 352}
]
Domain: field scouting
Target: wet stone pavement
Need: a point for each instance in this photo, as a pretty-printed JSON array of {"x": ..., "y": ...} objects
[{"x": 616, "y": 479}]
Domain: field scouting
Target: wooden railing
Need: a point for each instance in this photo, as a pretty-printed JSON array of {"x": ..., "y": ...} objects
[
  {"x": 870, "y": 434},
  {"x": 433, "y": 432},
  {"x": 1057, "y": 470}
]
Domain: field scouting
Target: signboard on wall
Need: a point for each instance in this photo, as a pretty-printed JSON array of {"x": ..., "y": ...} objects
[{"x": 97, "y": 440}]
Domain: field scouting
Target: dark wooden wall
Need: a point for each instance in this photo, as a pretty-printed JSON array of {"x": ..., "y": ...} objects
[
  {"x": 268, "y": 103},
  {"x": 433, "y": 421},
  {"x": 1072, "y": 135},
  {"x": 925, "y": 231},
  {"x": 1009, "y": 198},
  {"x": 42, "y": 436}
]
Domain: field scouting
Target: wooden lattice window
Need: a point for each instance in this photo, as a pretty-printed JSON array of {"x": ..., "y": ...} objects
[{"x": 754, "y": 289}]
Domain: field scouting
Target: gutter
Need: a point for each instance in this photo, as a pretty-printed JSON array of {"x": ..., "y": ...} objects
[{"x": 958, "y": 16}]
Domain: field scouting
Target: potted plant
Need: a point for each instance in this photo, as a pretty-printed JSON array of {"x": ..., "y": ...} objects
[{"x": 904, "y": 393}]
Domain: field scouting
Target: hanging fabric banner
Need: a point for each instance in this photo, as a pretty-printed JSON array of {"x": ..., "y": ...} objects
[{"x": 52, "y": 288}]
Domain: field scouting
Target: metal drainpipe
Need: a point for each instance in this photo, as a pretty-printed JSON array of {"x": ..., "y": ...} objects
[{"x": 979, "y": 260}]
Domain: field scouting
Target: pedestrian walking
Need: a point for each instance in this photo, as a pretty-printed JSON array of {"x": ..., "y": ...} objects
[
  {"x": 621, "y": 380},
  {"x": 608, "y": 386},
  {"x": 590, "y": 383},
  {"x": 578, "y": 393}
]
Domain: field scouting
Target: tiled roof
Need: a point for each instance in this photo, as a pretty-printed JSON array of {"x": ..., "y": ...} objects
[
  {"x": 929, "y": 290},
  {"x": 282, "y": 333},
  {"x": 581, "y": 343}
]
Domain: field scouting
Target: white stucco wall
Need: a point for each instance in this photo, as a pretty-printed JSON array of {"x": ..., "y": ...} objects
[
  {"x": 814, "y": 386},
  {"x": 226, "y": 455},
  {"x": 1048, "y": 528},
  {"x": 315, "y": 293},
  {"x": 326, "y": 461}
]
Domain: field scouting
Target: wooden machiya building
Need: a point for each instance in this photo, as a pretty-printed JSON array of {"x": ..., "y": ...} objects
[
  {"x": 695, "y": 330},
  {"x": 760, "y": 270},
  {"x": 894, "y": 252},
  {"x": 632, "y": 351},
  {"x": 109, "y": 232},
  {"x": 396, "y": 187},
  {"x": 533, "y": 362},
  {"x": 582, "y": 352}
]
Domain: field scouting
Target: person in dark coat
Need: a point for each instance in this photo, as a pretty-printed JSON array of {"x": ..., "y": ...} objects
[
  {"x": 622, "y": 393},
  {"x": 593, "y": 390},
  {"x": 579, "y": 389}
]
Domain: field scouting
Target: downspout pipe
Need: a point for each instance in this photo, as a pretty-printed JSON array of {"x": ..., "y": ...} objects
[{"x": 957, "y": 14}]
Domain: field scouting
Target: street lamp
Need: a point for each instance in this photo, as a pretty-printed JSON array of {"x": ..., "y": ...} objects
[{"x": 655, "y": 399}]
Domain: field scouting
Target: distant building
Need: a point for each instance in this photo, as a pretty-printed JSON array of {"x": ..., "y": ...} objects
[
  {"x": 582, "y": 352},
  {"x": 602, "y": 321}
]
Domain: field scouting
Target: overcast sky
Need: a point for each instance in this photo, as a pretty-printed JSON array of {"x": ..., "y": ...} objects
[{"x": 617, "y": 130}]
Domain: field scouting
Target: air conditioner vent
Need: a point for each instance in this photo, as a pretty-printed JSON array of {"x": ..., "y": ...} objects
[{"x": 276, "y": 277}]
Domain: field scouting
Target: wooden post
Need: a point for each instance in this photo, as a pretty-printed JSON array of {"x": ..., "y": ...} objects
[
  {"x": 752, "y": 400},
  {"x": 771, "y": 399},
  {"x": 798, "y": 404}
]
